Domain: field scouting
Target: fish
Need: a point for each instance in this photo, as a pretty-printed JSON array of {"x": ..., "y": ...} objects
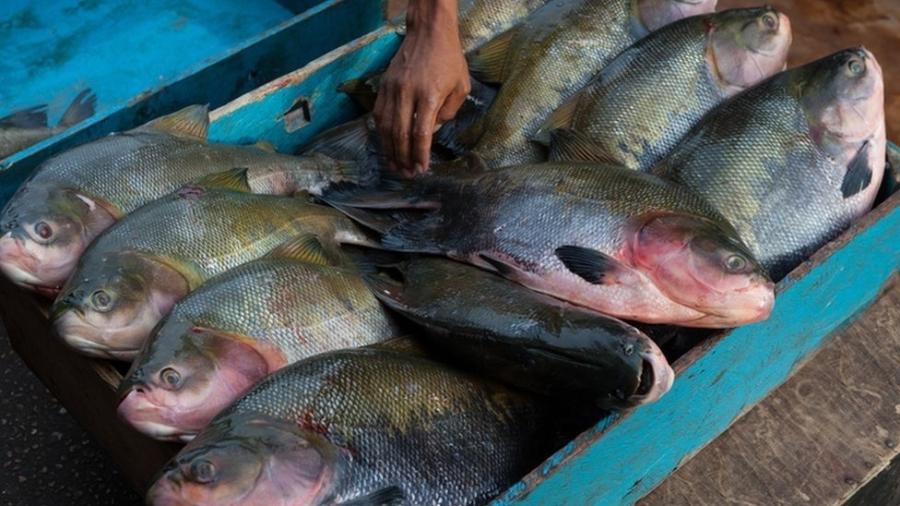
[
  {"x": 549, "y": 57},
  {"x": 621, "y": 242},
  {"x": 73, "y": 197},
  {"x": 793, "y": 161},
  {"x": 26, "y": 127},
  {"x": 134, "y": 273},
  {"x": 482, "y": 20},
  {"x": 523, "y": 338},
  {"x": 361, "y": 426},
  {"x": 641, "y": 104},
  {"x": 241, "y": 326}
]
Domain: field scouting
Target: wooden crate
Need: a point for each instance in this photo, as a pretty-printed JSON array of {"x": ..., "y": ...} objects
[{"x": 625, "y": 455}]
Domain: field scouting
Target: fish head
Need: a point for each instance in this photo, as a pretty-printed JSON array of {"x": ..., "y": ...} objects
[
  {"x": 43, "y": 233},
  {"x": 183, "y": 377},
  {"x": 843, "y": 94},
  {"x": 655, "y": 14},
  {"x": 747, "y": 46},
  {"x": 249, "y": 458},
  {"x": 112, "y": 302},
  {"x": 702, "y": 264}
]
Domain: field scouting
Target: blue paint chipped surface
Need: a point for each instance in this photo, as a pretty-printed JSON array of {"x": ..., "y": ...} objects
[{"x": 51, "y": 50}]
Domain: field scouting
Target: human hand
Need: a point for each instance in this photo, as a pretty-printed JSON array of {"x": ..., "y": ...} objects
[{"x": 424, "y": 86}]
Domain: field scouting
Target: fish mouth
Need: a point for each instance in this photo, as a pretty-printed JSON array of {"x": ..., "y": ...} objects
[
  {"x": 162, "y": 432},
  {"x": 70, "y": 327},
  {"x": 657, "y": 376}
]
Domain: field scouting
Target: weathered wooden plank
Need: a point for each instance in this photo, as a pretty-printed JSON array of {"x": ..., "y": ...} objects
[
  {"x": 293, "y": 108},
  {"x": 85, "y": 386},
  {"x": 816, "y": 439},
  {"x": 627, "y": 455},
  {"x": 248, "y": 66}
]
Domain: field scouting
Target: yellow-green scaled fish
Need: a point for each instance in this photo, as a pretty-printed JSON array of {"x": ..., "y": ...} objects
[
  {"x": 134, "y": 273},
  {"x": 363, "y": 427},
  {"x": 242, "y": 326},
  {"x": 550, "y": 56},
  {"x": 74, "y": 196},
  {"x": 795, "y": 160},
  {"x": 641, "y": 104},
  {"x": 481, "y": 20}
]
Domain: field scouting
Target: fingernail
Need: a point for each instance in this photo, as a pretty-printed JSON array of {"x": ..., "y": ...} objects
[{"x": 419, "y": 168}]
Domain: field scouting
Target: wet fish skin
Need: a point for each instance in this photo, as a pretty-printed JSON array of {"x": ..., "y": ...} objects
[
  {"x": 76, "y": 195},
  {"x": 272, "y": 312},
  {"x": 641, "y": 104},
  {"x": 134, "y": 273},
  {"x": 481, "y": 20},
  {"x": 525, "y": 339},
  {"x": 367, "y": 424},
  {"x": 550, "y": 56},
  {"x": 618, "y": 241},
  {"x": 794, "y": 161}
]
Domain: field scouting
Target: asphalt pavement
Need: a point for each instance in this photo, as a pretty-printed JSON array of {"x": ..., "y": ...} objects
[{"x": 48, "y": 459}]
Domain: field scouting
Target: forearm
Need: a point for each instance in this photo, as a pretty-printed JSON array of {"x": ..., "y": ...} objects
[{"x": 432, "y": 17}]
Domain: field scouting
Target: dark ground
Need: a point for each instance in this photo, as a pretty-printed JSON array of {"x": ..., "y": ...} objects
[{"x": 48, "y": 459}]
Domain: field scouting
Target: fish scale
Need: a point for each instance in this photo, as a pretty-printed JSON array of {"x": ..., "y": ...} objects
[
  {"x": 650, "y": 95},
  {"x": 479, "y": 20},
  {"x": 756, "y": 159},
  {"x": 553, "y": 53},
  {"x": 297, "y": 308},
  {"x": 212, "y": 230},
  {"x": 441, "y": 436}
]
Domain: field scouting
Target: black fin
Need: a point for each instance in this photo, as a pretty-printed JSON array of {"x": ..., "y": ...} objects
[
  {"x": 363, "y": 90},
  {"x": 591, "y": 265},
  {"x": 568, "y": 145},
  {"x": 501, "y": 268},
  {"x": 33, "y": 117},
  {"x": 81, "y": 108},
  {"x": 390, "y": 193},
  {"x": 476, "y": 105},
  {"x": 388, "y": 291},
  {"x": 419, "y": 236},
  {"x": 379, "y": 222},
  {"x": 389, "y": 496},
  {"x": 859, "y": 173}
]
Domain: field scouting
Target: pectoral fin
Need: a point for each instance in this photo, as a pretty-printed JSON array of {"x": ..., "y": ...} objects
[
  {"x": 488, "y": 62},
  {"x": 591, "y": 265},
  {"x": 859, "y": 173}
]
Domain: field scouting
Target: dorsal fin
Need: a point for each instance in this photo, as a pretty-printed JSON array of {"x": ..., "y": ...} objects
[
  {"x": 305, "y": 248},
  {"x": 568, "y": 145},
  {"x": 560, "y": 118},
  {"x": 232, "y": 179},
  {"x": 265, "y": 146},
  {"x": 191, "y": 122},
  {"x": 487, "y": 63}
]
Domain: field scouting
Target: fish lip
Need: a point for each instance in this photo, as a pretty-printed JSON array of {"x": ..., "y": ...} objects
[
  {"x": 91, "y": 348},
  {"x": 663, "y": 375},
  {"x": 161, "y": 431}
]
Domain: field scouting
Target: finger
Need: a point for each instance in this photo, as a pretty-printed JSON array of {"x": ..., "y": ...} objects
[
  {"x": 451, "y": 106},
  {"x": 384, "y": 124},
  {"x": 402, "y": 126},
  {"x": 426, "y": 116}
]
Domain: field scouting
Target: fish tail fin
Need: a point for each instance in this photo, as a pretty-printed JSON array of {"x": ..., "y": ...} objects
[
  {"x": 32, "y": 117},
  {"x": 452, "y": 135},
  {"x": 81, "y": 108},
  {"x": 347, "y": 141},
  {"x": 363, "y": 90},
  {"x": 416, "y": 236}
]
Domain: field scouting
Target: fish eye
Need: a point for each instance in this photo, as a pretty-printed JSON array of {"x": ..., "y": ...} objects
[
  {"x": 770, "y": 20},
  {"x": 203, "y": 471},
  {"x": 856, "y": 66},
  {"x": 735, "y": 263},
  {"x": 101, "y": 300},
  {"x": 43, "y": 230},
  {"x": 170, "y": 378}
]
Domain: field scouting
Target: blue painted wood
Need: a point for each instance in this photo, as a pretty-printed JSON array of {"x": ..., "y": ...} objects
[
  {"x": 624, "y": 457},
  {"x": 258, "y": 60},
  {"x": 290, "y": 110},
  {"x": 51, "y": 50}
]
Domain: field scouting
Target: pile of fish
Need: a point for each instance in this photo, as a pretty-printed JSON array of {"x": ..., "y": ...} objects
[{"x": 322, "y": 332}]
